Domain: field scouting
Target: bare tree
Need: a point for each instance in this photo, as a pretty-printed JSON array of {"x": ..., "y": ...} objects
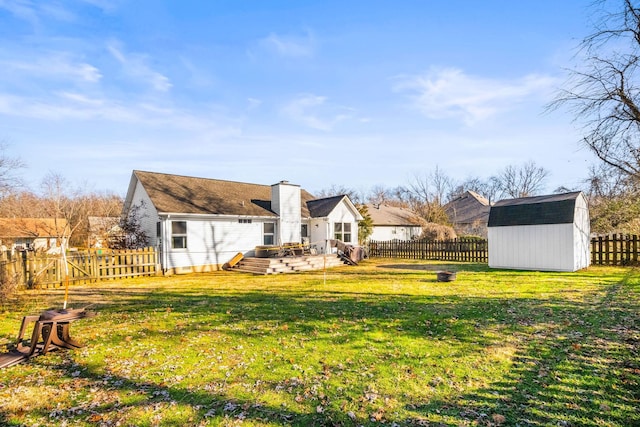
[
  {"x": 425, "y": 195},
  {"x": 64, "y": 204},
  {"x": 487, "y": 188},
  {"x": 604, "y": 93},
  {"x": 9, "y": 180},
  {"x": 378, "y": 195},
  {"x": 338, "y": 190},
  {"x": 614, "y": 201},
  {"x": 521, "y": 181},
  {"x": 21, "y": 204},
  {"x": 102, "y": 205}
]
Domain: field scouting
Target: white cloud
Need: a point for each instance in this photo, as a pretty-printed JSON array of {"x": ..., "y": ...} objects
[
  {"x": 77, "y": 107},
  {"x": 35, "y": 12},
  {"x": 58, "y": 65},
  {"x": 450, "y": 93},
  {"x": 253, "y": 103},
  {"x": 82, "y": 99},
  {"x": 105, "y": 5},
  {"x": 290, "y": 46},
  {"x": 135, "y": 65},
  {"x": 21, "y": 9},
  {"x": 314, "y": 111}
]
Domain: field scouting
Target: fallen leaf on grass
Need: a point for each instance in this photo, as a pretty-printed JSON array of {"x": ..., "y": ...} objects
[
  {"x": 95, "y": 418},
  {"x": 498, "y": 419}
]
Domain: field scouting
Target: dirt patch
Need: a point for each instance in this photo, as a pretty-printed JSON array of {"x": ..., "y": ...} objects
[{"x": 423, "y": 267}]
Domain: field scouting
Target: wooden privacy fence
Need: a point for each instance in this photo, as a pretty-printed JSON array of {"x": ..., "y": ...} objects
[
  {"x": 44, "y": 270},
  {"x": 460, "y": 249},
  {"x": 615, "y": 249},
  {"x": 612, "y": 249}
]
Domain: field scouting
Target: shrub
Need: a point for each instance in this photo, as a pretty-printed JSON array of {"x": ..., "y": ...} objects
[{"x": 433, "y": 231}]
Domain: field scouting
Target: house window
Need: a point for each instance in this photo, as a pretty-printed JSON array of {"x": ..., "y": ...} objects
[
  {"x": 179, "y": 234},
  {"x": 269, "y": 231},
  {"x": 342, "y": 231},
  {"x": 244, "y": 221},
  {"x": 304, "y": 230}
]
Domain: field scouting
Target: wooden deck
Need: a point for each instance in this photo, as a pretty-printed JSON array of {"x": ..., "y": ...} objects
[{"x": 288, "y": 264}]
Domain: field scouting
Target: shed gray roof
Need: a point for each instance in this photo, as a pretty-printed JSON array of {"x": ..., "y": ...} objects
[
  {"x": 191, "y": 195},
  {"x": 539, "y": 210}
]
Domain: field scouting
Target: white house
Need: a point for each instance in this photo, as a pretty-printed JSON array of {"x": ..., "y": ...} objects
[
  {"x": 39, "y": 234},
  {"x": 198, "y": 224},
  {"x": 393, "y": 223},
  {"x": 540, "y": 233},
  {"x": 101, "y": 229}
]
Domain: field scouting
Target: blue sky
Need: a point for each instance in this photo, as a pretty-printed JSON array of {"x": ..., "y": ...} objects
[{"x": 320, "y": 93}]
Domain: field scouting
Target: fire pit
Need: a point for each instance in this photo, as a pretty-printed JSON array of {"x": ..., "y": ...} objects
[{"x": 446, "y": 276}]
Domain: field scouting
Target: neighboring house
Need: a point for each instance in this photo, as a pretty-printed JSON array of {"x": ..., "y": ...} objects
[
  {"x": 468, "y": 214},
  {"x": 40, "y": 234},
  {"x": 101, "y": 229},
  {"x": 198, "y": 224},
  {"x": 540, "y": 233},
  {"x": 393, "y": 223}
]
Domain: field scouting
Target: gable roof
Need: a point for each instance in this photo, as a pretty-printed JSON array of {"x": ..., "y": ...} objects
[
  {"x": 32, "y": 227},
  {"x": 384, "y": 215},
  {"x": 468, "y": 208},
  {"x": 320, "y": 208},
  {"x": 540, "y": 210},
  {"x": 192, "y": 195}
]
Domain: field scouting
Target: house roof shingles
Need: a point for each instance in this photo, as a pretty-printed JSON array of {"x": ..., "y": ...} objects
[
  {"x": 540, "y": 210},
  {"x": 383, "y": 215},
  {"x": 468, "y": 208},
  {"x": 320, "y": 208},
  {"x": 32, "y": 227},
  {"x": 204, "y": 196}
]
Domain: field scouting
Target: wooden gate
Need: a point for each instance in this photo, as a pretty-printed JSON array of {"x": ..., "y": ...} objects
[{"x": 88, "y": 266}]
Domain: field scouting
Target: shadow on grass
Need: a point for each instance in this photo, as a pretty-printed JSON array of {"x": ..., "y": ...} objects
[
  {"x": 570, "y": 375},
  {"x": 576, "y": 363}
]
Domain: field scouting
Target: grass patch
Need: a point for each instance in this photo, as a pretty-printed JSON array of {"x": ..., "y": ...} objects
[{"x": 382, "y": 343}]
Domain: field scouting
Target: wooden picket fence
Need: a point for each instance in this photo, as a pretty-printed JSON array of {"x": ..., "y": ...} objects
[
  {"x": 612, "y": 249},
  {"x": 615, "y": 249},
  {"x": 43, "y": 270},
  {"x": 460, "y": 249}
]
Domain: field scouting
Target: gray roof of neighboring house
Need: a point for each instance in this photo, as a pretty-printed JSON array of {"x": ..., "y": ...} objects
[
  {"x": 468, "y": 208},
  {"x": 191, "y": 195},
  {"x": 539, "y": 210},
  {"x": 384, "y": 215},
  {"x": 320, "y": 208}
]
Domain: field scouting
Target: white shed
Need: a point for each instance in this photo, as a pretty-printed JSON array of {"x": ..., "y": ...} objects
[{"x": 540, "y": 233}]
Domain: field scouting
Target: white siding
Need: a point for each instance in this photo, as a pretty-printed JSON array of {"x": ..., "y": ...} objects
[
  {"x": 318, "y": 232},
  {"x": 322, "y": 229},
  {"x": 211, "y": 242},
  {"x": 555, "y": 247},
  {"x": 581, "y": 235},
  {"x": 391, "y": 232},
  {"x": 343, "y": 214},
  {"x": 148, "y": 215},
  {"x": 532, "y": 247},
  {"x": 285, "y": 201}
]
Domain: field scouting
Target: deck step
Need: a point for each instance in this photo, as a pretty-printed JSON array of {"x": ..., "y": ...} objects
[{"x": 286, "y": 264}]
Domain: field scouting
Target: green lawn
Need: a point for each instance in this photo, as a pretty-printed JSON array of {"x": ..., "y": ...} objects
[{"x": 382, "y": 343}]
